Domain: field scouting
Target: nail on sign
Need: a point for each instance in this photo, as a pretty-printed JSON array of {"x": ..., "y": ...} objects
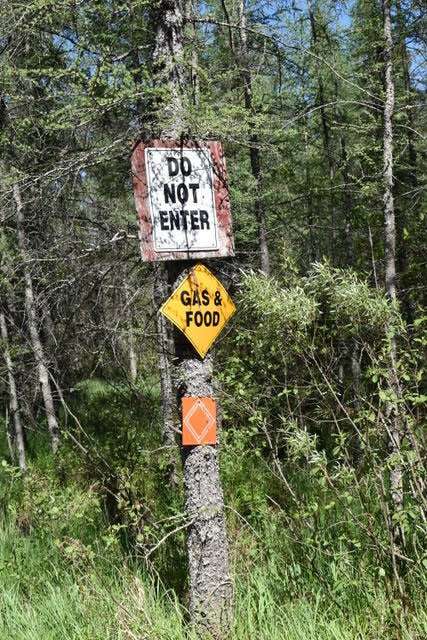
[
  {"x": 198, "y": 421},
  {"x": 200, "y": 307}
]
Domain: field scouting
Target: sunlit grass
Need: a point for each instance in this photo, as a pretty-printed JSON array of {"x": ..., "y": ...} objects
[{"x": 48, "y": 596}]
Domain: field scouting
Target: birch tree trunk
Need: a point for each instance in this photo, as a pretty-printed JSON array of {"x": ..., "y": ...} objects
[
  {"x": 133, "y": 361},
  {"x": 395, "y": 419},
  {"x": 19, "y": 440},
  {"x": 133, "y": 358},
  {"x": 210, "y": 584},
  {"x": 36, "y": 342},
  {"x": 253, "y": 142}
]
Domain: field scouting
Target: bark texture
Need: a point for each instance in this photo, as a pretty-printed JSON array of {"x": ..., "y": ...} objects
[
  {"x": 210, "y": 584},
  {"x": 18, "y": 440},
  {"x": 133, "y": 361},
  {"x": 388, "y": 200},
  {"x": 168, "y": 67},
  {"x": 253, "y": 143},
  {"x": 395, "y": 420},
  {"x": 33, "y": 325}
]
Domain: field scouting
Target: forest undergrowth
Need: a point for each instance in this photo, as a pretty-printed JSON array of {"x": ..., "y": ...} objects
[
  {"x": 57, "y": 587},
  {"x": 320, "y": 481},
  {"x": 93, "y": 539},
  {"x": 71, "y": 569}
]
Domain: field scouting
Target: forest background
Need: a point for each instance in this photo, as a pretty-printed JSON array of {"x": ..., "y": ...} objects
[{"x": 321, "y": 381}]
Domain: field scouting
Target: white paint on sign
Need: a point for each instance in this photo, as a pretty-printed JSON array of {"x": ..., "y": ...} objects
[{"x": 182, "y": 199}]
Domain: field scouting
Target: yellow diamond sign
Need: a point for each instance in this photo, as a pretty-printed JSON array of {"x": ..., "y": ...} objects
[{"x": 200, "y": 307}]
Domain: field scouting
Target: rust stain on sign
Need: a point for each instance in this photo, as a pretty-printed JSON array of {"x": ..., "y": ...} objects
[
  {"x": 200, "y": 307},
  {"x": 182, "y": 200},
  {"x": 198, "y": 421}
]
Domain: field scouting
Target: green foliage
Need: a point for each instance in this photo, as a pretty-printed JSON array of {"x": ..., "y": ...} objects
[
  {"x": 92, "y": 542},
  {"x": 356, "y": 309},
  {"x": 294, "y": 407},
  {"x": 277, "y": 310}
]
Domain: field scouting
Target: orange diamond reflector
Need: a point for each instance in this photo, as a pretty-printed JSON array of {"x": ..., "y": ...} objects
[
  {"x": 200, "y": 307},
  {"x": 198, "y": 421}
]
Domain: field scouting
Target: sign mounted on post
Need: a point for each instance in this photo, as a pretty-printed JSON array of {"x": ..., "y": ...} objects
[
  {"x": 200, "y": 307},
  {"x": 181, "y": 196}
]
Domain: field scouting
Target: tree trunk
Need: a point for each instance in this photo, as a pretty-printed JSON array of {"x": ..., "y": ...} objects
[
  {"x": 36, "y": 343},
  {"x": 19, "y": 440},
  {"x": 326, "y": 135},
  {"x": 348, "y": 204},
  {"x": 133, "y": 358},
  {"x": 409, "y": 179},
  {"x": 253, "y": 144},
  {"x": 165, "y": 350},
  {"x": 389, "y": 220},
  {"x": 396, "y": 426},
  {"x": 210, "y": 584},
  {"x": 133, "y": 361}
]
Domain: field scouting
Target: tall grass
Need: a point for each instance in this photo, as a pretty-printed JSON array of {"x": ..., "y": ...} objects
[
  {"x": 49, "y": 595},
  {"x": 69, "y": 570}
]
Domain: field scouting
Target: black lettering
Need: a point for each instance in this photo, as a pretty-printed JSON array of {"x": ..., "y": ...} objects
[
  {"x": 173, "y": 166},
  {"x": 208, "y": 318},
  {"x": 204, "y": 219},
  {"x": 184, "y": 216},
  {"x": 217, "y": 299},
  {"x": 198, "y": 319},
  {"x": 182, "y": 193},
  {"x": 194, "y": 188},
  {"x": 205, "y": 297},
  {"x": 185, "y": 166},
  {"x": 164, "y": 220},
  {"x": 188, "y": 317},
  {"x": 196, "y": 297},
  {"x": 174, "y": 220},
  {"x": 185, "y": 299},
  {"x": 169, "y": 192},
  {"x": 195, "y": 220},
  {"x": 215, "y": 318}
]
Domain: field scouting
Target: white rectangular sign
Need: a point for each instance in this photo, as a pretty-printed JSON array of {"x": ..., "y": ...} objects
[
  {"x": 181, "y": 199},
  {"x": 181, "y": 196}
]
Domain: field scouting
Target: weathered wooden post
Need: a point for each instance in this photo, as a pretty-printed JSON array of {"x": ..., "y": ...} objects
[{"x": 184, "y": 212}]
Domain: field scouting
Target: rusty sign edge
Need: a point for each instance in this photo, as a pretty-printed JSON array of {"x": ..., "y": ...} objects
[{"x": 221, "y": 199}]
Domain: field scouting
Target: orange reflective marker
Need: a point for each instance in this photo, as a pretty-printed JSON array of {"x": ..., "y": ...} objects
[
  {"x": 200, "y": 307},
  {"x": 198, "y": 421}
]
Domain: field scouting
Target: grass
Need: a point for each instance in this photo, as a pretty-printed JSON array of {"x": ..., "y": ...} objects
[
  {"x": 48, "y": 594},
  {"x": 66, "y": 572}
]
